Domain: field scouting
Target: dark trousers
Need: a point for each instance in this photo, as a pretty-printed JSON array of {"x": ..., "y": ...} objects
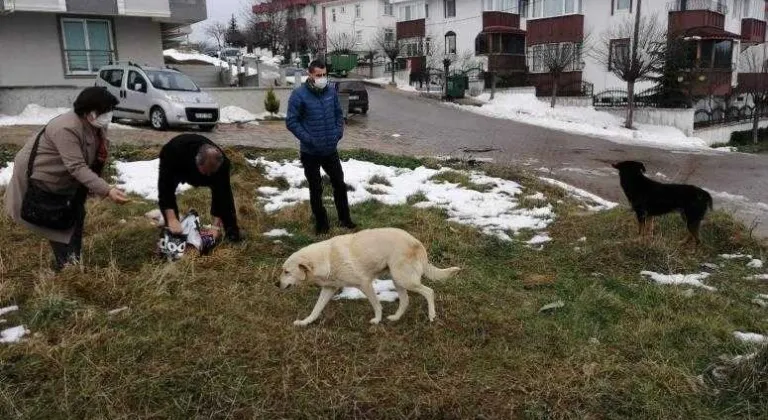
[
  {"x": 332, "y": 166},
  {"x": 68, "y": 253}
]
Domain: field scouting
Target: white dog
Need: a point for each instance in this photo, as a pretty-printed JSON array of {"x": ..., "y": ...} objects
[{"x": 355, "y": 260}]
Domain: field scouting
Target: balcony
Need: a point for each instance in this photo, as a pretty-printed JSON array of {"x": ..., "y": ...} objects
[
  {"x": 685, "y": 15},
  {"x": 753, "y": 31},
  {"x": 278, "y": 5},
  {"x": 568, "y": 28},
  {"x": 507, "y": 63},
  {"x": 501, "y": 19},
  {"x": 188, "y": 11},
  {"x": 719, "y": 6},
  {"x": 411, "y": 29}
]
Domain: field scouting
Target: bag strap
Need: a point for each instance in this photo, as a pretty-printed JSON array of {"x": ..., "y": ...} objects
[{"x": 33, "y": 153}]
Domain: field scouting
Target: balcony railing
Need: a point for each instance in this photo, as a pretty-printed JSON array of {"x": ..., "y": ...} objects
[{"x": 718, "y": 6}]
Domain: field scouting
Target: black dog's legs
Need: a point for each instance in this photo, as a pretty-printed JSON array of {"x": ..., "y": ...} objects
[{"x": 693, "y": 216}]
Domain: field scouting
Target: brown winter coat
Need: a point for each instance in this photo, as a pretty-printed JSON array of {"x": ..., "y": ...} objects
[{"x": 68, "y": 147}]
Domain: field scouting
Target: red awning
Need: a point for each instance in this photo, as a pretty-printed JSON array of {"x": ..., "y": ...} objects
[
  {"x": 708, "y": 32},
  {"x": 502, "y": 30}
]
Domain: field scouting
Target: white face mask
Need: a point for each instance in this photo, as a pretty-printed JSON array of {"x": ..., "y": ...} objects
[
  {"x": 321, "y": 82},
  {"x": 101, "y": 121}
]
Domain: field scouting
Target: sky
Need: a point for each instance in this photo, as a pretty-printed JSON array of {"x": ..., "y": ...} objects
[{"x": 220, "y": 10}]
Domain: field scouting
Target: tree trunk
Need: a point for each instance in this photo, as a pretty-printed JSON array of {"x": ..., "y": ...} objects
[
  {"x": 630, "y": 104},
  {"x": 755, "y": 123},
  {"x": 555, "y": 79},
  {"x": 393, "y": 73},
  {"x": 370, "y": 72}
]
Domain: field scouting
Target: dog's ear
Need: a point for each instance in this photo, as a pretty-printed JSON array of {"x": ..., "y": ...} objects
[
  {"x": 306, "y": 267},
  {"x": 642, "y": 167}
]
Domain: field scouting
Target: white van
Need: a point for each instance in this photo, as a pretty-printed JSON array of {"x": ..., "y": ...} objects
[{"x": 164, "y": 97}]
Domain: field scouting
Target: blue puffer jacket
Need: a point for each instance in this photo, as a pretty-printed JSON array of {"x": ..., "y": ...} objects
[{"x": 316, "y": 119}]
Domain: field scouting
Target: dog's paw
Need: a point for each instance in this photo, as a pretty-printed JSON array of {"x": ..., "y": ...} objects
[
  {"x": 393, "y": 318},
  {"x": 300, "y": 323},
  {"x": 375, "y": 321}
]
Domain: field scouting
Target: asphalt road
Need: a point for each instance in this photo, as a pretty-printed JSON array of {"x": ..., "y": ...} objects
[{"x": 738, "y": 181}]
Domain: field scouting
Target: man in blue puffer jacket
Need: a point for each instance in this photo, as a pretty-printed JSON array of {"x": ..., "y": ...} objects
[{"x": 316, "y": 119}]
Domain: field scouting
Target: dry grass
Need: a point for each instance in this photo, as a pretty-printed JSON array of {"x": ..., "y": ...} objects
[{"x": 211, "y": 337}]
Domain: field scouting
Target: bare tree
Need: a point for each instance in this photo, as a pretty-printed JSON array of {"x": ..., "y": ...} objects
[
  {"x": 268, "y": 28},
  {"x": 558, "y": 58},
  {"x": 217, "y": 32},
  {"x": 639, "y": 61},
  {"x": 754, "y": 69},
  {"x": 370, "y": 53},
  {"x": 341, "y": 43},
  {"x": 389, "y": 45}
]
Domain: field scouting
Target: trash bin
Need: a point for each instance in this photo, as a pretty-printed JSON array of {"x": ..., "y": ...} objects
[{"x": 455, "y": 87}]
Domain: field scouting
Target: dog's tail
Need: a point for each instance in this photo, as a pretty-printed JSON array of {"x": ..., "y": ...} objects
[
  {"x": 708, "y": 197},
  {"x": 437, "y": 274}
]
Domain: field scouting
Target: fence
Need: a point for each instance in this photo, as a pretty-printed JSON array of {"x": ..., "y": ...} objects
[{"x": 720, "y": 116}]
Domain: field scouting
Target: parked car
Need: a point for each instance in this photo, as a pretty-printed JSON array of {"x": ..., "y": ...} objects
[
  {"x": 164, "y": 97},
  {"x": 358, "y": 95}
]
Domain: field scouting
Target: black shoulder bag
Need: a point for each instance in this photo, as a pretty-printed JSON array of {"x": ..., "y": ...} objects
[{"x": 43, "y": 208}]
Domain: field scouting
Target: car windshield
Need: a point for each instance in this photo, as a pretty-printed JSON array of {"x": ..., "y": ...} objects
[
  {"x": 351, "y": 86},
  {"x": 170, "y": 80}
]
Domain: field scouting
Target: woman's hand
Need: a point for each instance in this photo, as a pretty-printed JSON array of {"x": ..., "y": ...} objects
[{"x": 117, "y": 196}]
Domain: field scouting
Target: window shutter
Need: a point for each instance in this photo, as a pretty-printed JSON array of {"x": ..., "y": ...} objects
[{"x": 630, "y": 6}]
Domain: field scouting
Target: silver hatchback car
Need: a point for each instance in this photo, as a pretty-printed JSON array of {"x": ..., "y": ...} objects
[{"x": 164, "y": 97}]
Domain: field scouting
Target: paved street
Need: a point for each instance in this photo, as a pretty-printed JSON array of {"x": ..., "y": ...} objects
[{"x": 401, "y": 123}]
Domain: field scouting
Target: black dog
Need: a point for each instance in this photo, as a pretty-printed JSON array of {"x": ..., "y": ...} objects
[{"x": 650, "y": 198}]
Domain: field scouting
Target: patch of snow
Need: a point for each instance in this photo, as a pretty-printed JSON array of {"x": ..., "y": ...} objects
[
  {"x": 594, "y": 203},
  {"x": 8, "y": 309},
  {"x": 385, "y": 291},
  {"x": 660, "y": 175},
  {"x": 192, "y": 56},
  {"x": 588, "y": 172},
  {"x": 527, "y": 108},
  {"x": 583, "y": 239},
  {"x": 274, "y": 233},
  {"x": 5, "y": 174},
  {"x": 140, "y": 177},
  {"x": 539, "y": 239},
  {"x": 395, "y": 135},
  {"x": 676, "y": 279},
  {"x": 495, "y": 211},
  {"x": 266, "y": 115},
  {"x": 538, "y": 196},
  {"x": 758, "y": 277},
  {"x": 734, "y": 256},
  {"x": 726, "y": 149},
  {"x": 13, "y": 335},
  {"x": 291, "y": 80},
  {"x": 762, "y": 296},
  {"x": 401, "y": 84},
  {"x": 755, "y": 263},
  {"x": 750, "y": 337},
  {"x": 156, "y": 216},
  {"x": 234, "y": 114}
]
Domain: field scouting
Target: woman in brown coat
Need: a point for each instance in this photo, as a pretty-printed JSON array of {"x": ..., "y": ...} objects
[{"x": 71, "y": 155}]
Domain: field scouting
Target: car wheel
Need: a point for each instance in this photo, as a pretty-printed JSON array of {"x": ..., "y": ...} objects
[
  {"x": 157, "y": 119},
  {"x": 364, "y": 110},
  {"x": 207, "y": 128}
]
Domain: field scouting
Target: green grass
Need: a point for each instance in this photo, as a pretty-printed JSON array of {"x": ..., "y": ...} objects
[
  {"x": 211, "y": 337},
  {"x": 460, "y": 178}
]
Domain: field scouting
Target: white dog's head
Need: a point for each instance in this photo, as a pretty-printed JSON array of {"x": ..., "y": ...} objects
[{"x": 296, "y": 270}]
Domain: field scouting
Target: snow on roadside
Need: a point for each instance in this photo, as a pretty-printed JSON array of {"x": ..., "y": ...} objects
[
  {"x": 141, "y": 177},
  {"x": 34, "y": 114},
  {"x": 385, "y": 291},
  {"x": 385, "y": 81},
  {"x": 679, "y": 279},
  {"x": 234, "y": 114},
  {"x": 527, "y": 108},
  {"x": 5, "y": 174},
  {"x": 593, "y": 202}
]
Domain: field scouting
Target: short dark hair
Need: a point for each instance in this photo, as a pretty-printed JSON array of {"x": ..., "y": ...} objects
[
  {"x": 94, "y": 99},
  {"x": 316, "y": 64}
]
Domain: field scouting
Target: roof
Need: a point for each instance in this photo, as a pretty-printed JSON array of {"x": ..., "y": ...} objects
[
  {"x": 502, "y": 30},
  {"x": 709, "y": 32}
]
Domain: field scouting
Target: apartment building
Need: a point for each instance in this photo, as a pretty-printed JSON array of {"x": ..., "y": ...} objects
[{"x": 65, "y": 42}]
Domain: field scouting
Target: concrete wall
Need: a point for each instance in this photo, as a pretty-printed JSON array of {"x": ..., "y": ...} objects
[
  {"x": 722, "y": 134},
  {"x": 13, "y": 100},
  {"x": 204, "y": 75},
  {"x": 371, "y": 19},
  {"x": 679, "y": 118},
  {"x": 31, "y": 47},
  {"x": 582, "y": 101},
  {"x": 154, "y": 8},
  {"x": 41, "y": 5},
  {"x": 93, "y": 7}
]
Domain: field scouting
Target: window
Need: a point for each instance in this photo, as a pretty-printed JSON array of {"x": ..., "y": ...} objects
[
  {"x": 622, "y": 5},
  {"x": 412, "y": 47},
  {"x": 359, "y": 37},
  {"x": 314, "y": 10},
  {"x": 542, "y": 57},
  {"x": 136, "y": 82},
  {"x": 389, "y": 35},
  {"x": 552, "y": 8},
  {"x": 450, "y": 42},
  {"x": 88, "y": 44},
  {"x": 426, "y": 10},
  {"x": 388, "y": 9},
  {"x": 343, "y": 10},
  {"x": 113, "y": 77},
  {"x": 619, "y": 53},
  {"x": 407, "y": 12},
  {"x": 509, "y": 6},
  {"x": 411, "y": 12},
  {"x": 428, "y": 46},
  {"x": 358, "y": 11},
  {"x": 333, "y": 15},
  {"x": 450, "y": 8}
]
